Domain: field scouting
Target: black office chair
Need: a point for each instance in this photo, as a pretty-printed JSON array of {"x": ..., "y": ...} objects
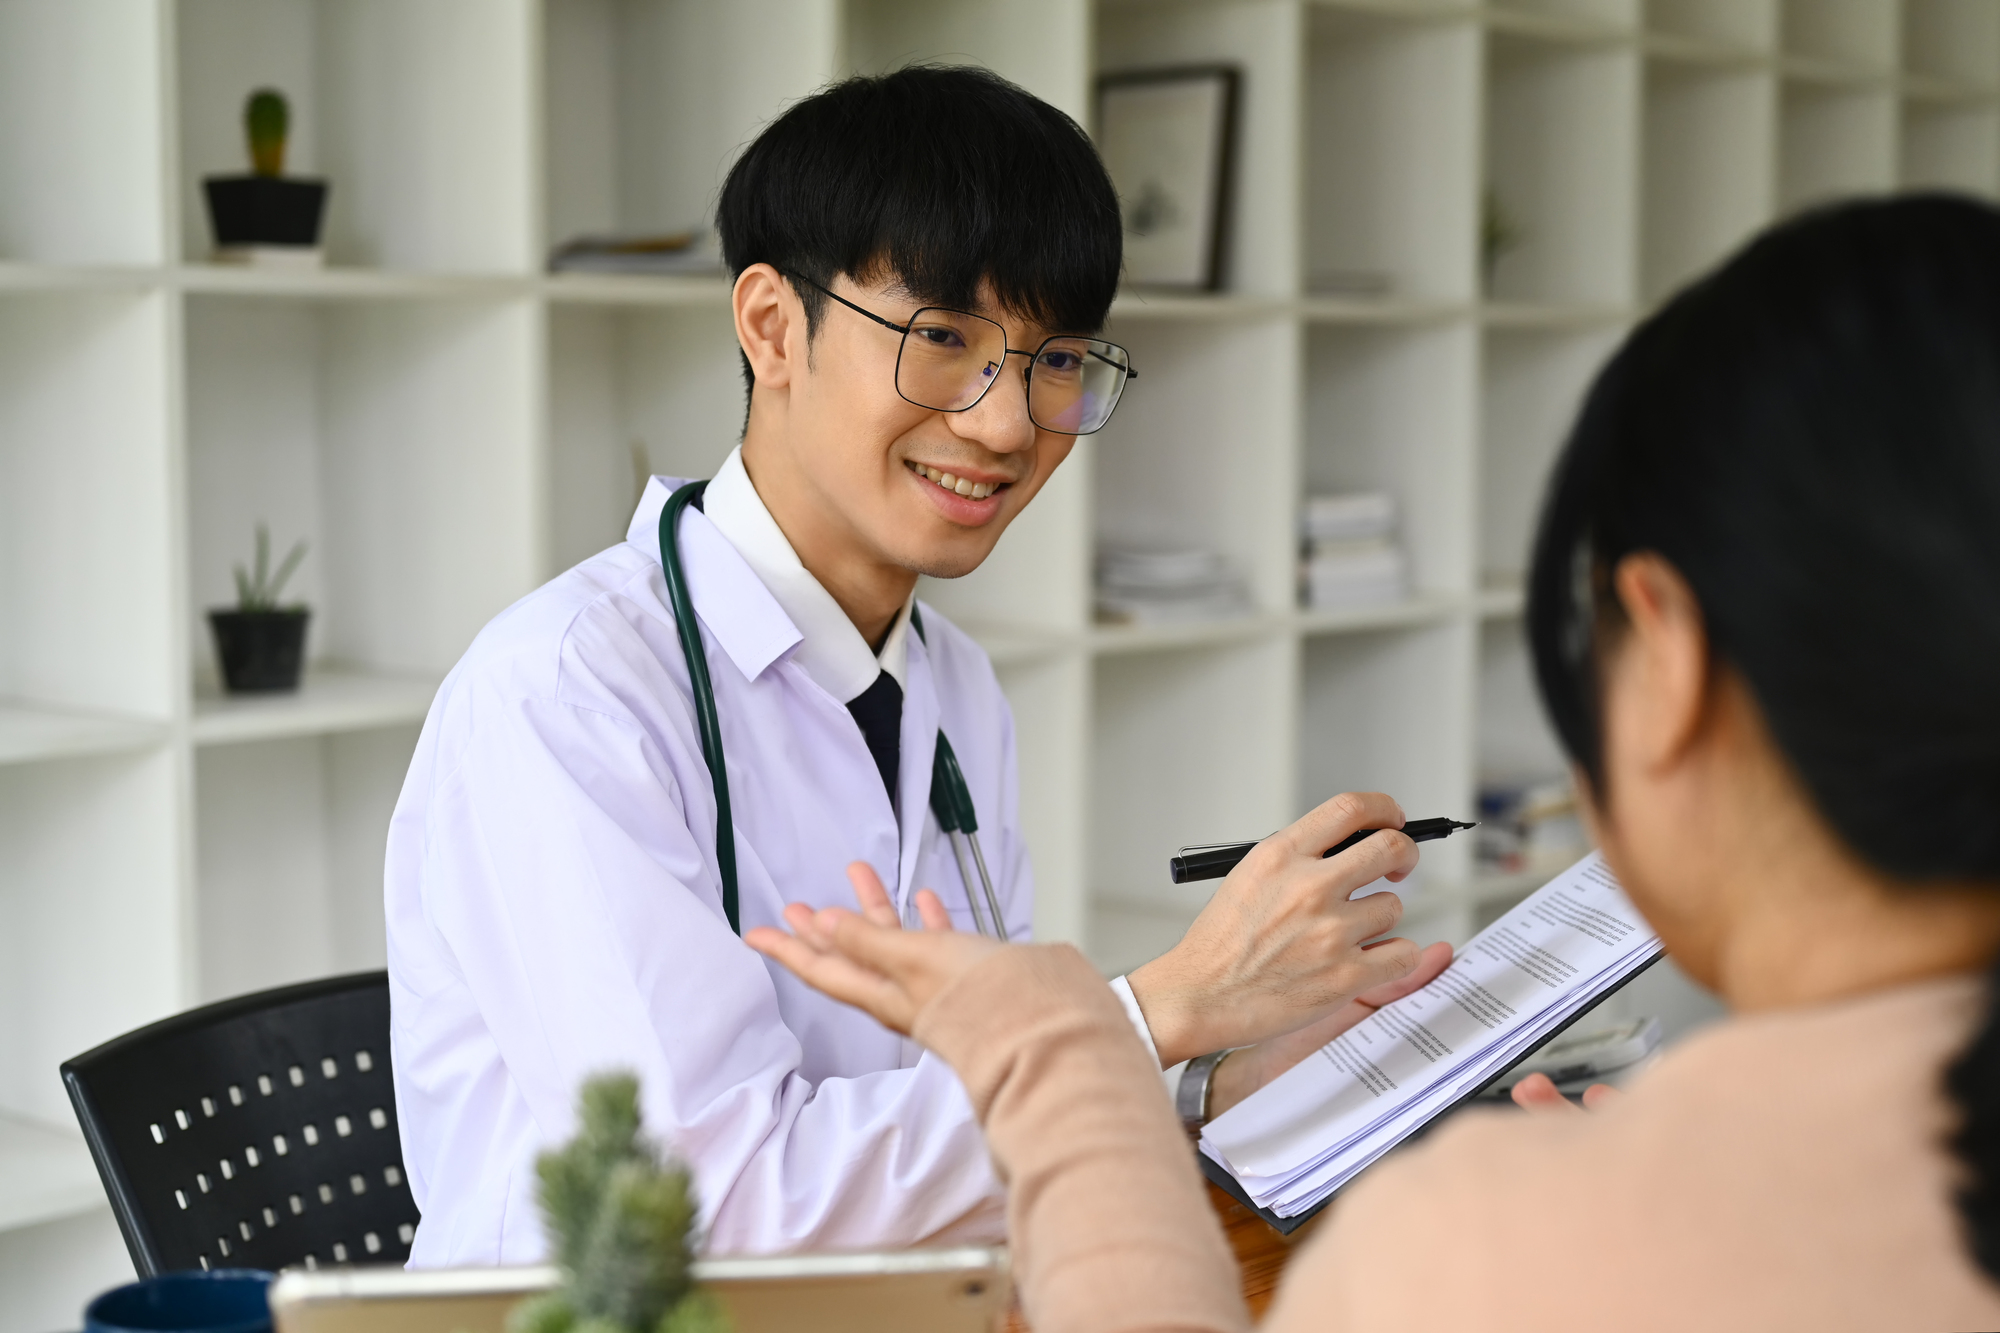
[{"x": 258, "y": 1132}]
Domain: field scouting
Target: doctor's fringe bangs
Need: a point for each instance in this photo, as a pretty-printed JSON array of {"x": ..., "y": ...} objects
[{"x": 941, "y": 176}]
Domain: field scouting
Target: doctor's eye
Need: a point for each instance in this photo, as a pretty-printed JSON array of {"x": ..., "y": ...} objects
[{"x": 943, "y": 337}]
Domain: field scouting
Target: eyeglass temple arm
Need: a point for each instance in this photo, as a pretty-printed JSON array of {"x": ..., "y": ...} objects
[{"x": 859, "y": 310}]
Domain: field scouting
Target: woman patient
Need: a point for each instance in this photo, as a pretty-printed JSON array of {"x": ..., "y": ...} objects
[{"x": 1765, "y": 613}]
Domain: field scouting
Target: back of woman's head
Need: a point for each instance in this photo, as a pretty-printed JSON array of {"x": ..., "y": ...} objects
[{"x": 1811, "y": 436}]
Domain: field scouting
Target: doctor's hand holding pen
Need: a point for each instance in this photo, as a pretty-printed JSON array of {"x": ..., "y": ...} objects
[{"x": 1279, "y": 962}]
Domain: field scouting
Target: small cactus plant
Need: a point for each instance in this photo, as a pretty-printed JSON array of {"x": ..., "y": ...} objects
[
  {"x": 267, "y": 119},
  {"x": 257, "y": 590},
  {"x": 621, "y": 1225}
]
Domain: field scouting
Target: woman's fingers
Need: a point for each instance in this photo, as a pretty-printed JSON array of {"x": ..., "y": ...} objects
[
  {"x": 874, "y": 899},
  {"x": 931, "y": 911},
  {"x": 837, "y": 975},
  {"x": 1600, "y": 1095},
  {"x": 1536, "y": 1093}
]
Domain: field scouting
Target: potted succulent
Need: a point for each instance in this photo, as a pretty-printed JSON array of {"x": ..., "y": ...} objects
[
  {"x": 265, "y": 215},
  {"x": 260, "y": 644},
  {"x": 621, "y": 1223}
]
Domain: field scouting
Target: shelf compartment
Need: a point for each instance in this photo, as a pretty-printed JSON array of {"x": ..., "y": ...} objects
[
  {"x": 1955, "y": 42},
  {"x": 91, "y": 939},
  {"x": 1514, "y": 742},
  {"x": 633, "y": 392},
  {"x": 1260, "y": 237},
  {"x": 79, "y": 145},
  {"x": 415, "y": 111},
  {"x": 1708, "y": 146},
  {"x": 1392, "y": 153},
  {"x": 1389, "y": 712},
  {"x": 29, "y": 733},
  {"x": 328, "y": 700},
  {"x": 1194, "y": 455},
  {"x": 45, "y": 1173},
  {"x": 1562, "y": 132},
  {"x": 396, "y": 438},
  {"x": 1950, "y": 146},
  {"x": 1834, "y": 143},
  {"x": 85, "y": 575},
  {"x": 1859, "y": 37},
  {"x": 290, "y": 836},
  {"x": 649, "y": 101},
  {"x": 1186, "y": 747},
  {"x": 1566, "y": 22},
  {"x": 1720, "y": 28},
  {"x": 1532, "y": 387},
  {"x": 1393, "y": 410}
]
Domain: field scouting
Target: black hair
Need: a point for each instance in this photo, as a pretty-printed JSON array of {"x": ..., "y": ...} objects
[
  {"x": 942, "y": 176},
  {"x": 1811, "y": 436}
]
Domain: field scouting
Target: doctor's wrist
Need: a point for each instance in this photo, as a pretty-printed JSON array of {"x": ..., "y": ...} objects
[{"x": 1173, "y": 1011}]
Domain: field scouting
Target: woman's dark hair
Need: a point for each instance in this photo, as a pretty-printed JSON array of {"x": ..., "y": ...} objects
[
  {"x": 940, "y": 176},
  {"x": 1811, "y": 436}
]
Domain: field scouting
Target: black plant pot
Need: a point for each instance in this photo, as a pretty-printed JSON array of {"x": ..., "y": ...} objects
[
  {"x": 264, "y": 210},
  {"x": 261, "y": 652}
]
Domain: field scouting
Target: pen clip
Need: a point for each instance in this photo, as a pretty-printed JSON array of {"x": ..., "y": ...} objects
[{"x": 1218, "y": 846}]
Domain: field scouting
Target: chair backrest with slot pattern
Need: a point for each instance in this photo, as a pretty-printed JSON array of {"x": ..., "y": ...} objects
[{"x": 258, "y": 1132}]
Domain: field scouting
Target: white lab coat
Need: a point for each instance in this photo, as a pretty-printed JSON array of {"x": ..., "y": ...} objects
[{"x": 554, "y": 911}]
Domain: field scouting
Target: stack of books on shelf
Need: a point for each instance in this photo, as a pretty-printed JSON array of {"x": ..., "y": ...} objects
[
  {"x": 1137, "y": 586},
  {"x": 1350, "y": 556}
]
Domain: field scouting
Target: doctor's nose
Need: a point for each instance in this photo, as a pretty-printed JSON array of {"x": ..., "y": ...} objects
[{"x": 999, "y": 421}]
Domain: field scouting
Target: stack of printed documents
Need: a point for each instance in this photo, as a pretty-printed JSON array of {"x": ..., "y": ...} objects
[{"x": 1524, "y": 978}]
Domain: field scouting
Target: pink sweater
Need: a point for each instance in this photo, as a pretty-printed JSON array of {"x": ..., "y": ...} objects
[{"x": 1780, "y": 1171}]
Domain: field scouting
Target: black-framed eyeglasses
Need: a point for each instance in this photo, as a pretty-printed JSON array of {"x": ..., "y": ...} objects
[{"x": 951, "y": 358}]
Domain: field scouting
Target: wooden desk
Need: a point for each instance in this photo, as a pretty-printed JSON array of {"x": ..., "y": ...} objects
[{"x": 1261, "y": 1254}]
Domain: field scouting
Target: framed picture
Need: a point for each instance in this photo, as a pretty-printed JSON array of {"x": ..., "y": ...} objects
[{"x": 1168, "y": 139}]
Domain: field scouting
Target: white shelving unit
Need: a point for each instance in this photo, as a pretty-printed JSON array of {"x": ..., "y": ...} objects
[{"x": 449, "y": 426}]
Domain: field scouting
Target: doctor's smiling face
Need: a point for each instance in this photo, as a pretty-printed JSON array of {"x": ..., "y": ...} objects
[
  {"x": 887, "y": 448},
  {"x": 871, "y": 487}
]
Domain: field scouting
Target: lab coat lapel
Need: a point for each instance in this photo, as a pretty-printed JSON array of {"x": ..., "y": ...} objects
[{"x": 913, "y": 801}]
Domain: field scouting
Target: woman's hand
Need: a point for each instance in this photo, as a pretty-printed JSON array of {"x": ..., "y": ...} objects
[
  {"x": 867, "y": 959},
  {"x": 1538, "y": 1094},
  {"x": 1281, "y": 947}
]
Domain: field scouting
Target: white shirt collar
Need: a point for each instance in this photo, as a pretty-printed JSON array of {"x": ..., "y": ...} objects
[{"x": 832, "y": 651}]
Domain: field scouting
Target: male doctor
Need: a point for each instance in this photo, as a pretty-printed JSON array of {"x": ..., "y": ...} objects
[{"x": 554, "y": 904}]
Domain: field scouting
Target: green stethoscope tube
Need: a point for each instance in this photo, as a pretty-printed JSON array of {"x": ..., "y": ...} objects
[{"x": 951, "y": 798}]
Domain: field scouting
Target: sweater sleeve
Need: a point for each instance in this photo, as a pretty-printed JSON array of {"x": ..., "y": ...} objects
[{"x": 1111, "y": 1228}]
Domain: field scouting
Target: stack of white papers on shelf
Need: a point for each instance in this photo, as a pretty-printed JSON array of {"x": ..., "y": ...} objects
[
  {"x": 1305, "y": 1134},
  {"x": 695, "y": 251},
  {"x": 1351, "y": 557},
  {"x": 1161, "y": 586}
]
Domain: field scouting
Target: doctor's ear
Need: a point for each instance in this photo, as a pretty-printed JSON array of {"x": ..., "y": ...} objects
[{"x": 767, "y": 313}]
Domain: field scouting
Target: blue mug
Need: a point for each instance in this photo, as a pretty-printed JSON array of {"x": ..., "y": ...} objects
[{"x": 228, "y": 1300}]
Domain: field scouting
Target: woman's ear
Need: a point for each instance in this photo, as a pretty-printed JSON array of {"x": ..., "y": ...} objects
[
  {"x": 766, "y": 311},
  {"x": 1659, "y": 679}
]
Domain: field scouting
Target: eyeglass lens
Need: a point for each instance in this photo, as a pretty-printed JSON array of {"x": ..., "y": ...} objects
[{"x": 949, "y": 359}]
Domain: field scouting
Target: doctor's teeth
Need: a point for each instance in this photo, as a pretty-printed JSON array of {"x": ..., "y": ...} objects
[{"x": 976, "y": 490}]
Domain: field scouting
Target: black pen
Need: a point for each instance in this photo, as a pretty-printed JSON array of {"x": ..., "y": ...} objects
[{"x": 1217, "y": 860}]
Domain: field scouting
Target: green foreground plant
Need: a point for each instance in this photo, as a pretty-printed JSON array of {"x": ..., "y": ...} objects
[
  {"x": 259, "y": 591},
  {"x": 621, "y": 1225}
]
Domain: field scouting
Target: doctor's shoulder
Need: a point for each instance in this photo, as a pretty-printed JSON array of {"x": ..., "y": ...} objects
[{"x": 571, "y": 640}]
